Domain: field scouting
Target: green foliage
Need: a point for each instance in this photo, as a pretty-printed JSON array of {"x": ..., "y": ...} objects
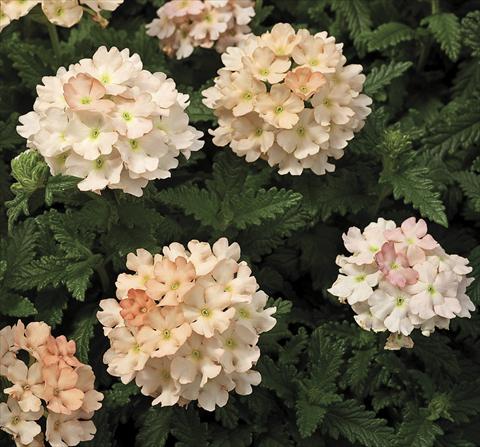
[{"x": 325, "y": 381}]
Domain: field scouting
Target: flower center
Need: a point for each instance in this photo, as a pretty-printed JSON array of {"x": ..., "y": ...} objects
[
  {"x": 244, "y": 313},
  {"x": 304, "y": 89},
  {"x": 134, "y": 145},
  {"x": 400, "y": 300},
  {"x": 205, "y": 312},
  {"x": 326, "y": 102},
  {"x": 143, "y": 310},
  {"x": 56, "y": 392},
  {"x": 410, "y": 240},
  {"x": 313, "y": 62},
  {"x": 85, "y": 100},
  {"x": 247, "y": 96},
  {"x": 99, "y": 162},
  {"x": 166, "y": 334},
  {"x": 373, "y": 248},
  {"x": 264, "y": 72},
  {"x": 105, "y": 78},
  {"x": 230, "y": 343},
  {"x": 301, "y": 131},
  {"x": 208, "y": 18},
  {"x": 127, "y": 116},
  {"x": 228, "y": 288},
  {"x": 26, "y": 387},
  {"x": 394, "y": 266},
  {"x": 430, "y": 289},
  {"x": 136, "y": 348},
  {"x": 165, "y": 374},
  {"x": 258, "y": 132},
  {"x": 15, "y": 420},
  {"x": 94, "y": 133},
  {"x": 196, "y": 354},
  {"x": 59, "y": 11},
  {"x": 278, "y": 110},
  {"x": 360, "y": 278},
  {"x": 175, "y": 285}
]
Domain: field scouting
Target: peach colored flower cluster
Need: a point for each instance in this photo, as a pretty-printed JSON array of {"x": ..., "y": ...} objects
[
  {"x": 186, "y": 324},
  {"x": 399, "y": 278},
  {"x": 183, "y": 25},
  {"x": 60, "y": 12},
  {"x": 52, "y": 383},
  {"x": 110, "y": 122},
  {"x": 288, "y": 97}
]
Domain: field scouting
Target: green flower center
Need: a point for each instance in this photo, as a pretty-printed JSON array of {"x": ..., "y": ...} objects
[
  {"x": 247, "y": 96},
  {"x": 105, "y": 78},
  {"x": 264, "y": 72},
  {"x": 134, "y": 145},
  {"x": 360, "y": 278},
  {"x": 166, "y": 334},
  {"x": 230, "y": 343},
  {"x": 94, "y": 133},
  {"x": 400, "y": 300},
  {"x": 301, "y": 131},
  {"x": 244, "y": 313},
  {"x": 258, "y": 132},
  {"x": 85, "y": 100},
  {"x": 15, "y": 420},
  {"x": 175, "y": 285},
  {"x": 127, "y": 116},
  {"x": 99, "y": 162},
  {"x": 205, "y": 312},
  {"x": 196, "y": 354},
  {"x": 431, "y": 290},
  {"x": 278, "y": 110},
  {"x": 313, "y": 62}
]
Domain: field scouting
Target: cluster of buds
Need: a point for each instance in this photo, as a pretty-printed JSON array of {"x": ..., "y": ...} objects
[
  {"x": 110, "y": 122},
  {"x": 51, "y": 383},
  {"x": 399, "y": 278},
  {"x": 183, "y": 25},
  {"x": 60, "y": 12},
  {"x": 186, "y": 324},
  {"x": 288, "y": 97}
]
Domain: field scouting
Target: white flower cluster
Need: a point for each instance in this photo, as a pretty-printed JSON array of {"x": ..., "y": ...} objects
[
  {"x": 183, "y": 25},
  {"x": 186, "y": 324},
  {"x": 60, "y": 12},
  {"x": 399, "y": 279},
  {"x": 288, "y": 97},
  {"x": 110, "y": 122},
  {"x": 52, "y": 383}
]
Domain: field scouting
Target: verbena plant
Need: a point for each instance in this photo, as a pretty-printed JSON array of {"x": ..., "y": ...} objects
[{"x": 326, "y": 382}]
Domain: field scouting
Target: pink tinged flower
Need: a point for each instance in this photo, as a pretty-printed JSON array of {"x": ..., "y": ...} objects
[
  {"x": 180, "y": 8},
  {"x": 394, "y": 265},
  {"x": 198, "y": 357},
  {"x": 110, "y": 316},
  {"x": 97, "y": 174},
  {"x": 92, "y": 135},
  {"x": 317, "y": 53},
  {"x": 304, "y": 82},
  {"x": 413, "y": 237},
  {"x": 398, "y": 341},
  {"x": 172, "y": 281},
  {"x": 130, "y": 117},
  {"x": 305, "y": 138},
  {"x": 279, "y": 107},
  {"x": 83, "y": 92},
  {"x": 265, "y": 66},
  {"x": 63, "y": 12},
  {"x": 241, "y": 92},
  {"x": 355, "y": 283},
  {"x": 252, "y": 136},
  {"x": 27, "y": 385},
  {"x": 31, "y": 338},
  {"x": 60, "y": 390},
  {"x": 171, "y": 331},
  {"x": 390, "y": 304},
  {"x": 156, "y": 380},
  {"x": 130, "y": 350},
  {"x": 434, "y": 293},
  {"x": 59, "y": 351},
  {"x": 86, "y": 382},
  {"x": 332, "y": 106},
  {"x": 142, "y": 263},
  {"x": 136, "y": 307},
  {"x": 53, "y": 139},
  {"x": 235, "y": 279},
  {"x": 240, "y": 350},
  {"x": 365, "y": 319},
  {"x": 20, "y": 424},
  {"x": 208, "y": 310},
  {"x": 211, "y": 24},
  {"x": 202, "y": 257},
  {"x": 7, "y": 349},
  {"x": 222, "y": 249},
  {"x": 215, "y": 392},
  {"x": 282, "y": 39},
  {"x": 68, "y": 430},
  {"x": 253, "y": 316},
  {"x": 244, "y": 381}
]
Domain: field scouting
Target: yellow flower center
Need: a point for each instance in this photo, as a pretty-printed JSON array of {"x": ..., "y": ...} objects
[
  {"x": 264, "y": 72},
  {"x": 105, "y": 78},
  {"x": 360, "y": 278},
  {"x": 59, "y": 11},
  {"x": 313, "y": 62},
  {"x": 175, "y": 285},
  {"x": 127, "y": 116},
  {"x": 205, "y": 312},
  {"x": 301, "y": 131},
  {"x": 244, "y": 313},
  {"x": 166, "y": 334},
  {"x": 278, "y": 110},
  {"x": 15, "y": 420},
  {"x": 196, "y": 354},
  {"x": 258, "y": 132},
  {"x": 431, "y": 290},
  {"x": 94, "y": 133},
  {"x": 247, "y": 96},
  {"x": 134, "y": 145},
  {"x": 99, "y": 162},
  {"x": 400, "y": 300},
  {"x": 230, "y": 343},
  {"x": 85, "y": 100}
]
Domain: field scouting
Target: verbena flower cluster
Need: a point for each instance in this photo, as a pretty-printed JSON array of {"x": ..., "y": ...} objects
[
  {"x": 186, "y": 324},
  {"x": 46, "y": 379},
  {"x": 60, "y": 12},
  {"x": 110, "y": 122},
  {"x": 398, "y": 279},
  {"x": 183, "y": 25},
  {"x": 288, "y": 97}
]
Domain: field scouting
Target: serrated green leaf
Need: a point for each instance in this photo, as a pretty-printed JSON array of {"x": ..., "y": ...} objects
[
  {"x": 381, "y": 76},
  {"x": 156, "y": 428},
  {"x": 446, "y": 30}
]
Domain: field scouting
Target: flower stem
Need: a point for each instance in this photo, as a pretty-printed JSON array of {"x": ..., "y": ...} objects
[
  {"x": 52, "y": 32},
  {"x": 435, "y": 6}
]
